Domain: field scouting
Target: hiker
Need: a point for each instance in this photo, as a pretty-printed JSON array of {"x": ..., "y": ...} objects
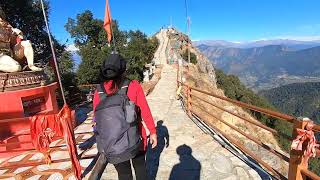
[{"x": 119, "y": 107}]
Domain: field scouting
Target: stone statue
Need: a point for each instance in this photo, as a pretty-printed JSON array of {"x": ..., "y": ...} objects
[
  {"x": 146, "y": 76},
  {"x": 14, "y": 50}
]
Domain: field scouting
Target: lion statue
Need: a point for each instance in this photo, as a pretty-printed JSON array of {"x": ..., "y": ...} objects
[{"x": 14, "y": 50}]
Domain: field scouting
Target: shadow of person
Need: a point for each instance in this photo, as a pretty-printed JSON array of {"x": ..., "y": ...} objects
[
  {"x": 153, "y": 155},
  {"x": 88, "y": 143},
  {"x": 90, "y": 166},
  {"x": 189, "y": 168},
  {"x": 81, "y": 114}
]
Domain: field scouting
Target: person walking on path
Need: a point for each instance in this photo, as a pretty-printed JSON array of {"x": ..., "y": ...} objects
[{"x": 114, "y": 85}]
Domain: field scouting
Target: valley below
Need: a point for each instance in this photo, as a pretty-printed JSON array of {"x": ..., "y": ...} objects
[
  {"x": 266, "y": 67},
  {"x": 270, "y": 82}
]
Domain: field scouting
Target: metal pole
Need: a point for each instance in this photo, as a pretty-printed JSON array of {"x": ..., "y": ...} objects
[
  {"x": 186, "y": 6},
  {"x": 189, "y": 40},
  {"x": 113, "y": 40},
  {"x": 114, "y": 51},
  {"x": 53, "y": 52},
  {"x": 188, "y": 30}
]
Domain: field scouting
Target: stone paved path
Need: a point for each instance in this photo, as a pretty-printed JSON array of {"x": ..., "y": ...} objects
[
  {"x": 160, "y": 54},
  {"x": 190, "y": 152}
]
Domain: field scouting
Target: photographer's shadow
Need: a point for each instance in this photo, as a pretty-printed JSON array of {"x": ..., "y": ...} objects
[
  {"x": 153, "y": 155},
  {"x": 189, "y": 167}
]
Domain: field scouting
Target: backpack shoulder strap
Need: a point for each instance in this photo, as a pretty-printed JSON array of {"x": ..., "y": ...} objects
[
  {"x": 124, "y": 87},
  {"x": 102, "y": 91}
]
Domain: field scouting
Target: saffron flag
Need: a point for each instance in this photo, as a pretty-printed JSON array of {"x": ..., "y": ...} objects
[{"x": 107, "y": 22}]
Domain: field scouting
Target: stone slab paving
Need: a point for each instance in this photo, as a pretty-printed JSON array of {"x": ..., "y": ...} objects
[
  {"x": 191, "y": 152},
  {"x": 160, "y": 54}
]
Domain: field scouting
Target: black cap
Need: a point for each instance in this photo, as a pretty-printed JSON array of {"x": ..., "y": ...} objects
[
  {"x": 184, "y": 150},
  {"x": 113, "y": 67}
]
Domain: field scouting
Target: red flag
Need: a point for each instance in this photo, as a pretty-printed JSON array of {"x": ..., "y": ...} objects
[{"x": 107, "y": 22}]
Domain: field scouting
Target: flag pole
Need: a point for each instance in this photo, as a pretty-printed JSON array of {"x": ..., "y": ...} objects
[
  {"x": 113, "y": 40},
  {"x": 53, "y": 52},
  {"x": 188, "y": 30}
]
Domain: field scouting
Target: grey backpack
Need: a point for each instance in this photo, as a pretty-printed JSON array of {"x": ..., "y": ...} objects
[{"x": 117, "y": 125}]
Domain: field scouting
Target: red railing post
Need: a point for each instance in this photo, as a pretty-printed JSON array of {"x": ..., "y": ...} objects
[
  {"x": 297, "y": 161},
  {"x": 189, "y": 100}
]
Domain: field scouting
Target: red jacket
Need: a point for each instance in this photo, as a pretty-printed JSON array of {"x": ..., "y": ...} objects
[{"x": 135, "y": 94}]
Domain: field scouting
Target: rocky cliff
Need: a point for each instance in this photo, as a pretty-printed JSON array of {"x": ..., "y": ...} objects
[{"x": 178, "y": 44}]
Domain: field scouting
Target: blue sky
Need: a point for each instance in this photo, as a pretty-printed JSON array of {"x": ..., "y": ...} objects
[{"x": 232, "y": 20}]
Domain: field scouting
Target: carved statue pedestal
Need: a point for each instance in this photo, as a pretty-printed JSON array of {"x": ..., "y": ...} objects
[
  {"x": 21, "y": 80},
  {"x": 23, "y": 95}
]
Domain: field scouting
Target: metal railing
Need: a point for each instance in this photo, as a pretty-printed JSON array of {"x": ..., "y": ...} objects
[{"x": 298, "y": 166}]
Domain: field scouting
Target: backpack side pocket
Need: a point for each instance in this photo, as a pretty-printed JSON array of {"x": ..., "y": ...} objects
[{"x": 130, "y": 111}]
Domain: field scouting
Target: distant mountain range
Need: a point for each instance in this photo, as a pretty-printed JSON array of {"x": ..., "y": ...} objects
[
  {"x": 266, "y": 67},
  {"x": 290, "y": 44}
]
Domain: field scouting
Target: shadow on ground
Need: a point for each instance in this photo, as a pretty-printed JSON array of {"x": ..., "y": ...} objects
[
  {"x": 81, "y": 112},
  {"x": 88, "y": 143},
  {"x": 153, "y": 155},
  {"x": 90, "y": 166},
  {"x": 188, "y": 168},
  {"x": 85, "y": 146}
]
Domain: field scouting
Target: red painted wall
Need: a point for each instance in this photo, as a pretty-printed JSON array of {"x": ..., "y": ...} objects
[
  {"x": 17, "y": 106},
  {"x": 42, "y": 99}
]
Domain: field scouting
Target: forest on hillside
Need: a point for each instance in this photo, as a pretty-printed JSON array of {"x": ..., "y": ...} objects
[
  {"x": 298, "y": 99},
  {"x": 234, "y": 89},
  {"x": 91, "y": 39}
]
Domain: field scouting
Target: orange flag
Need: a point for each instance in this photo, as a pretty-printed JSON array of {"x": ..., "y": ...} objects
[{"x": 107, "y": 22}]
